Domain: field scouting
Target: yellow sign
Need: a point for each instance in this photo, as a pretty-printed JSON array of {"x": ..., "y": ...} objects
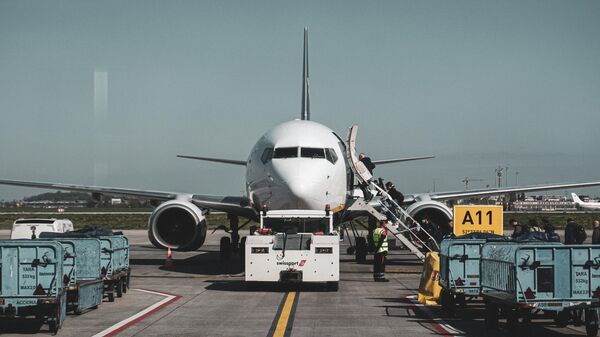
[{"x": 478, "y": 219}]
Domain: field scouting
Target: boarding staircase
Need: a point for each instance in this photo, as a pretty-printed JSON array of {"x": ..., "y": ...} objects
[{"x": 383, "y": 207}]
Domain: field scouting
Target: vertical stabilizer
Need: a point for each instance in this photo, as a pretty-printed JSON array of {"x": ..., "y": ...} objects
[
  {"x": 576, "y": 199},
  {"x": 305, "y": 94}
]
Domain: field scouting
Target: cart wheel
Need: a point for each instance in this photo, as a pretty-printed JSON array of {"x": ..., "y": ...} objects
[
  {"x": 448, "y": 303},
  {"x": 461, "y": 300},
  {"x": 350, "y": 250},
  {"x": 591, "y": 322},
  {"x": 120, "y": 288},
  {"x": 361, "y": 249},
  {"x": 53, "y": 324},
  {"x": 225, "y": 248},
  {"x": 491, "y": 316},
  {"x": 562, "y": 318},
  {"x": 332, "y": 286},
  {"x": 512, "y": 319},
  {"x": 111, "y": 296}
]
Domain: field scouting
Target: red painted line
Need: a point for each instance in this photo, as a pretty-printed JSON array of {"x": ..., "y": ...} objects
[{"x": 139, "y": 318}]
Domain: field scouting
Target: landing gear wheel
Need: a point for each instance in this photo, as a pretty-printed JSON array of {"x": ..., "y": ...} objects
[
  {"x": 225, "y": 248},
  {"x": 562, "y": 318},
  {"x": 332, "y": 286},
  {"x": 591, "y": 322},
  {"x": 361, "y": 249},
  {"x": 491, "y": 316},
  {"x": 120, "y": 288},
  {"x": 124, "y": 284}
]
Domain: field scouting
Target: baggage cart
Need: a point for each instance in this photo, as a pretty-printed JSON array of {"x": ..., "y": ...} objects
[
  {"x": 114, "y": 259},
  {"x": 82, "y": 277},
  {"x": 32, "y": 281},
  {"x": 459, "y": 268},
  {"x": 521, "y": 279}
]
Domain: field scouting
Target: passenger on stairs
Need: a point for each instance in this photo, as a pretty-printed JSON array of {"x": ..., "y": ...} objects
[
  {"x": 394, "y": 193},
  {"x": 367, "y": 161}
]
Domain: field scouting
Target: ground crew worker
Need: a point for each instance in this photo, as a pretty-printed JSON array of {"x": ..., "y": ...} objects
[{"x": 381, "y": 250}]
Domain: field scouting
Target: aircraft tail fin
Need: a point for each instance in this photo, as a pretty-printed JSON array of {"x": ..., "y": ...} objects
[
  {"x": 305, "y": 113},
  {"x": 576, "y": 198}
]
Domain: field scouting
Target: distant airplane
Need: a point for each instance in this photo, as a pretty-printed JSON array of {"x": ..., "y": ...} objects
[
  {"x": 592, "y": 205},
  {"x": 299, "y": 164}
]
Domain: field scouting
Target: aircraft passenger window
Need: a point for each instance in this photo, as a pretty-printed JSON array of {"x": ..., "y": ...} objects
[
  {"x": 331, "y": 156},
  {"x": 312, "y": 152},
  {"x": 267, "y": 155},
  {"x": 286, "y": 152}
]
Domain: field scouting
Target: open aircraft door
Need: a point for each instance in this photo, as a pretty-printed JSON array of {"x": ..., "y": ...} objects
[{"x": 359, "y": 169}]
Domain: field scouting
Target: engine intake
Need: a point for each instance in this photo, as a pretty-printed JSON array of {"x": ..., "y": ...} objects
[
  {"x": 437, "y": 212},
  {"x": 177, "y": 224}
]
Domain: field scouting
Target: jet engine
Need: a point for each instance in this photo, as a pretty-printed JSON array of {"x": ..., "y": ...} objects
[
  {"x": 437, "y": 212},
  {"x": 177, "y": 224}
]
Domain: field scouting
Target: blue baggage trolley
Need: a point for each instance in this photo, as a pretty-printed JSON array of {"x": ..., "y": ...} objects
[
  {"x": 32, "y": 281},
  {"x": 520, "y": 279},
  {"x": 459, "y": 268}
]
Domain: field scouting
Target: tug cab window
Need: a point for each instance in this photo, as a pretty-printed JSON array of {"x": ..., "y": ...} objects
[
  {"x": 267, "y": 155},
  {"x": 286, "y": 152},
  {"x": 331, "y": 156},
  {"x": 312, "y": 152}
]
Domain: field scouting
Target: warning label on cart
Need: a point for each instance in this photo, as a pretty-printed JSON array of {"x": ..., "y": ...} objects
[{"x": 478, "y": 219}]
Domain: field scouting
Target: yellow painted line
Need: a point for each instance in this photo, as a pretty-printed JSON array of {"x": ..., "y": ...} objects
[{"x": 285, "y": 315}]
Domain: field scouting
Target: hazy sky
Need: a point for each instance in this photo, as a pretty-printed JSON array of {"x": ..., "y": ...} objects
[{"x": 478, "y": 83}]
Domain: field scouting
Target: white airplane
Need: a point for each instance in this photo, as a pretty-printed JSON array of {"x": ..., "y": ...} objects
[
  {"x": 591, "y": 205},
  {"x": 299, "y": 164}
]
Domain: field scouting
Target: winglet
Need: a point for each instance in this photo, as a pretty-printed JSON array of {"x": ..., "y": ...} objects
[
  {"x": 576, "y": 198},
  {"x": 305, "y": 113}
]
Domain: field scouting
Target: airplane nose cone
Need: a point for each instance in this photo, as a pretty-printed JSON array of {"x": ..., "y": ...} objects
[{"x": 303, "y": 193}]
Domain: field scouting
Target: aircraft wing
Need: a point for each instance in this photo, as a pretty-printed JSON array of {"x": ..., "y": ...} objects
[
  {"x": 216, "y": 160},
  {"x": 441, "y": 196},
  {"x": 234, "y": 204}
]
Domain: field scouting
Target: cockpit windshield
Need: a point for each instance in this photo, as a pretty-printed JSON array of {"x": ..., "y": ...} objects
[
  {"x": 286, "y": 152},
  {"x": 312, "y": 152}
]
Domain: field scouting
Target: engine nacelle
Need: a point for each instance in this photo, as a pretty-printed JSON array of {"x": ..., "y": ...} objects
[
  {"x": 437, "y": 212},
  {"x": 177, "y": 224}
]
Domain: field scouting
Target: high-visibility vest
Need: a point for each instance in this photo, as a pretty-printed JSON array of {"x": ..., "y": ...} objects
[{"x": 377, "y": 236}]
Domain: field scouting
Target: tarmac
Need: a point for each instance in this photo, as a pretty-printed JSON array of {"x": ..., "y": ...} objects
[{"x": 201, "y": 296}]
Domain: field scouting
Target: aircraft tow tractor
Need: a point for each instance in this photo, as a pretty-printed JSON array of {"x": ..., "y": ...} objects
[{"x": 294, "y": 246}]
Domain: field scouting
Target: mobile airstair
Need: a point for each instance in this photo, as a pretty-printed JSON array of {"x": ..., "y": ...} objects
[{"x": 383, "y": 207}]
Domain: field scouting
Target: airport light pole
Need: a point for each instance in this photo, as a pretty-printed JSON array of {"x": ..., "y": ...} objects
[{"x": 499, "y": 175}]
